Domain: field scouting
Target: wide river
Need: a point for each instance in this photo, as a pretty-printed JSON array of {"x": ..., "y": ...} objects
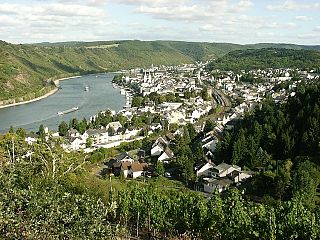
[{"x": 101, "y": 96}]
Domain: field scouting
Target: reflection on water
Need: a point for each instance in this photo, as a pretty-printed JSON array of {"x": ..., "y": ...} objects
[{"x": 101, "y": 95}]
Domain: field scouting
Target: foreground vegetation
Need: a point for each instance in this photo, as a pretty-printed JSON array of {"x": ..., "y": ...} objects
[{"x": 51, "y": 194}]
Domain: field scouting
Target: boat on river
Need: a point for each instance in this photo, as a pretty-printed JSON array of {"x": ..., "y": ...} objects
[
  {"x": 68, "y": 111},
  {"x": 86, "y": 88}
]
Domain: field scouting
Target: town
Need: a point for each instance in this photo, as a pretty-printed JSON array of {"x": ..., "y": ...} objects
[{"x": 176, "y": 113}]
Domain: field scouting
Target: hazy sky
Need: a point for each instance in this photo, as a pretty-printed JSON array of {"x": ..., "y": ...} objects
[{"x": 237, "y": 21}]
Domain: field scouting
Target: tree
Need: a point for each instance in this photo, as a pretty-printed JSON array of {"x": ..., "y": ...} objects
[
  {"x": 89, "y": 143},
  {"x": 111, "y": 131},
  {"x": 83, "y": 126},
  {"x": 21, "y": 132},
  {"x": 239, "y": 148},
  {"x": 11, "y": 130},
  {"x": 160, "y": 168},
  {"x": 74, "y": 124},
  {"x": 137, "y": 101},
  {"x": 192, "y": 131},
  {"x": 41, "y": 132},
  {"x": 306, "y": 180},
  {"x": 209, "y": 126},
  {"x": 63, "y": 129}
]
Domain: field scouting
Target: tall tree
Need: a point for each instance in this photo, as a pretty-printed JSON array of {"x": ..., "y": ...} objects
[{"x": 63, "y": 128}]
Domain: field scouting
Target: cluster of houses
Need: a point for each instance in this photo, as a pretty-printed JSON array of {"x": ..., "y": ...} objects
[
  {"x": 125, "y": 164},
  {"x": 220, "y": 177},
  {"x": 106, "y": 137},
  {"x": 252, "y": 93},
  {"x": 164, "y": 81}
]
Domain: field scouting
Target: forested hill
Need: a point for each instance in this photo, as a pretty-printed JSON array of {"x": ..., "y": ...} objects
[
  {"x": 283, "y": 142},
  {"x": 25, "y": 68},
  {"x": 267, "y": 58}
]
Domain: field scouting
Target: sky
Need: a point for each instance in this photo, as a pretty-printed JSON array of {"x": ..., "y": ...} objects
[{"x": 235, "y": 21}]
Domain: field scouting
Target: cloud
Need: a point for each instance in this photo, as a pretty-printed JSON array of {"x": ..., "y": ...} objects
[
  {"x": 316, "y": 29},
  {"x": 309, "y": 36},
  {"x": 6, "y": 8},
  {"x": 303, "y": 18},
  {"x": 292, "y": 5},
  {"x": 266, "y": 34},
  {"x": 191, "y": 10},
  {"x": 44, "y": 20},
  {"x": 289, "y": 25},
  {"x": 149, "y": 2}
]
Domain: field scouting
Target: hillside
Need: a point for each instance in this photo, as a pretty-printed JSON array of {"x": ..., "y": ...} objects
[
  {"x": 268, "y": 58},
  {"x": 26, "y": 68}
]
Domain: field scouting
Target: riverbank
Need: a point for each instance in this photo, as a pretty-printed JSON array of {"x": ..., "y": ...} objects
[
  {"x": 56, "y": 82},
  {"x": 53, "y": 91}
]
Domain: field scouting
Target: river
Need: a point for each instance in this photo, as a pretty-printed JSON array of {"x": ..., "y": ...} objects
[{"x": 101, "y": 96}]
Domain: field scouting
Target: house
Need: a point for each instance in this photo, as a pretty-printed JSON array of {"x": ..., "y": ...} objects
[
  {"x": 239, "y": 176},
  {"x": 97, "y": 135},
  {"x": 170, "y": 137},
  {"x": 223, "y": 169},
  {"x": 137, "y": 169},
  {"x": 155, "y": 126},
  {"x": 31, "y": 138},
  {"x": 179, "y": 132},
  {"x": 212, "y": 184},
  {"x": 210, "y": 143},
  {"x": 119, "y": 167},
  {"x": 166, "y": 155},
  {"x": 162, "y": 141},
  {"x": 158, "y": 146},
  {"x": 203, "y": 170},
  {"x": 157, "y": 150},
  {"x": 73, "y": 133},
  {"x": 76, "y": 143},
  {"x": 141, "y": 154},
  {"x": 124, "y": 157},
  {"x": 114, "y": 125},
  {"x": 129, "y": 169}
]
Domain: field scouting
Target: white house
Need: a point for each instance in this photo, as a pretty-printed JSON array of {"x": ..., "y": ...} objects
[
  {"x": 115, "y": 125},
  {"x": 155, "y": 126},
  {"x": 212, "y": 184},
  {"x": 239, "y": 176},
  {"x": 30, "y": 140},
  {"x": 124, "y": 157},
  {"x": 166, "y": 155},
  {"x": 137, "y": 169},
  {"x": 204, "y": 170},
  {"x": 210, "y": 143},
  {"x": 223, "y": 169},
  {"x": 157, "y": 150},
  {"x": 77, "y": 143},
  {"x": 73, "y": 133}
]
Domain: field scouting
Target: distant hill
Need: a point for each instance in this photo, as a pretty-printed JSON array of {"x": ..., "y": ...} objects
[
  {"x": 268, "y": 58},
  {"x": 25, "y": 68}
]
